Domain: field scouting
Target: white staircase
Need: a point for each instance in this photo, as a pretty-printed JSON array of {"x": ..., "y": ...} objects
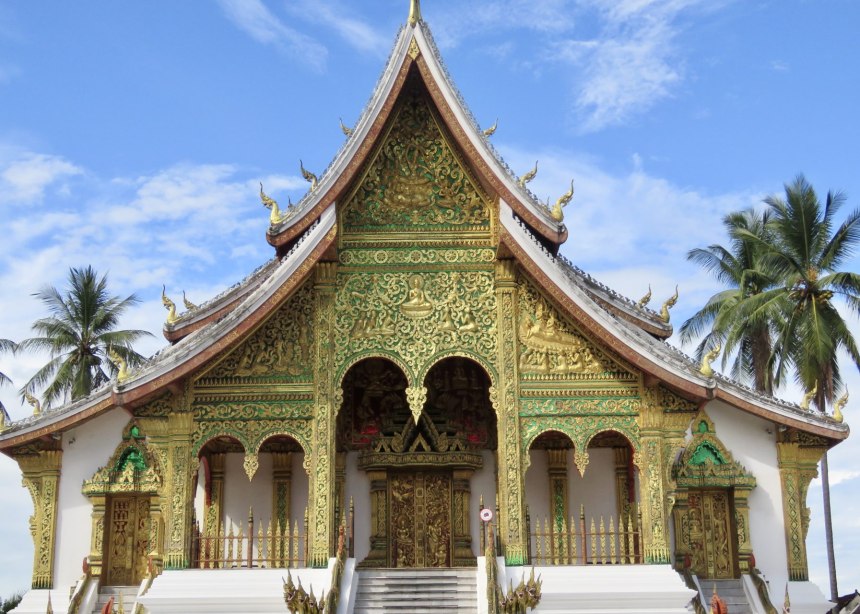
[
  {"x": 730, "y": 591},
  {"x": 417, "y": 591},
  {"x": 129, "y": 595}
]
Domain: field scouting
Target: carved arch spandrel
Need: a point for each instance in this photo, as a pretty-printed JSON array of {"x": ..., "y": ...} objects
[
  {"x": 280, "y": 348},
  {"x": 580, "y": 430},
  {"x": 554, "y": 347}
]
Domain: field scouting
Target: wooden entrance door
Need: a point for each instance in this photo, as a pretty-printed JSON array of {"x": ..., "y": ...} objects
[
  {"x": 127, "y": 543},
  {"x": 712, "y": 538},
  {"x": 420, "y": 533}
]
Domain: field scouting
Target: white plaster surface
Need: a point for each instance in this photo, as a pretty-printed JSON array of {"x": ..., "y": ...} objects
[
  {"x": 229, "y": 591},
  {"x": 609, "y": 589},
  {"x": 596, "y": 490},
  {"x": 86, "y": 448},
  {"x": 36, "y": 602},
  {"x": 752, "y": 442},
  {"x": 483, "y": 482},
  {"x": 357, "y": 486}
]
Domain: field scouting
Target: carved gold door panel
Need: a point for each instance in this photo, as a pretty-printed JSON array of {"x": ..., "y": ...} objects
[
  {"x": 712, "y": 539},
  {"x": 420, "y": 519},
  {"x": 127, "y": 543}
]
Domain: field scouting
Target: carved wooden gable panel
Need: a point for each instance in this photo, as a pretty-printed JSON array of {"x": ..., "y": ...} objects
[
  {"x": 551, "y": 348},
  {"x": 416, "y": 182},
  {"x": 282, "y": 349}
]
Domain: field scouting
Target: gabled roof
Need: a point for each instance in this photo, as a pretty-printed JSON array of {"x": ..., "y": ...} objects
[
  {"x": 526, "y": 232},
  {"x": 414, "y": 48},
  {"x": 641, "y": 349}
]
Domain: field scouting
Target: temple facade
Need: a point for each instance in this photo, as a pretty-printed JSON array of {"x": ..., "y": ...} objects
[{"x": 417, "y": 352}]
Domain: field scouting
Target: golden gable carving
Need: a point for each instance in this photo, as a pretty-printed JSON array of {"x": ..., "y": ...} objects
[{"x": 416, "y": 181}]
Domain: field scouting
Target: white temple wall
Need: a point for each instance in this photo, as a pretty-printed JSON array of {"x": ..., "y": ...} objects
[
  {"x": 357, "y": 486},
  {"x": 752, "y": 442},
  {"x": 537, "y": 487},
  {"x": 483, "y": 482},
  {"x": 298, "y": 491},
  {"x": 240, "y": 494},
  {"x": 86, "y": 448},
  {"x": 596, "y": 489}
]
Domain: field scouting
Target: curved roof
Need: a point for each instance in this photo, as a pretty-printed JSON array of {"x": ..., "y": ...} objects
[
  {"x": 415, "y": 47},
  {"x": 526, "y": 227}
]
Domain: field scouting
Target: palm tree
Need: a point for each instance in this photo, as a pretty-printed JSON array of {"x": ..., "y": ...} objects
[
  {"x": 77, "y": 336},
  {"x": 6, "y": 346},
  {"x": 807, "y": 255},
  {"x": 743, "y": 269}
]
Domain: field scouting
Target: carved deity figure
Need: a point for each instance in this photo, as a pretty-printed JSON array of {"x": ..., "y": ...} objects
[{"x": 416, "y": 304}]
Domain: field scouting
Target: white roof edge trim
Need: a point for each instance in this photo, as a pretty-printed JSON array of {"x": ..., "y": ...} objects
[
  {"x": 637, "y": 339},
  {"x": 49, "y": 417},
  {"x": 464, "y": 118}
]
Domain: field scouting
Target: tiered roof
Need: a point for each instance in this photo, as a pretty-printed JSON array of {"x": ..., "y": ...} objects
[{"x": 528, "y": 232}]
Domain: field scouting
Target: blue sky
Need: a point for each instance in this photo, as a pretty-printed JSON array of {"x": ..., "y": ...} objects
[{"x": 132, "y": 138}]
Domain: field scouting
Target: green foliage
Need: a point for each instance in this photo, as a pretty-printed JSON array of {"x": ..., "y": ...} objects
[
  {"x": 6, "y": 346},
  {"x": 77, "y": 334},
  {"x": 742, "y": 267},
  {"x": 784, "y": 278},
  {"x": 10, "y": 603}
]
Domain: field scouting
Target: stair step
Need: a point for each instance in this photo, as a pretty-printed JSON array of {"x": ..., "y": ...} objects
[
  {"x": 417, "y": 591},
  {"x": 730, "y": 591}
]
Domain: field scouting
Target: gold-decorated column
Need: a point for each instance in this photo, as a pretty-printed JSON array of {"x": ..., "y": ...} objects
[
  {"x": 180, "y": 504},
  {"x": 798, "y": 455},
  {"x": 651, "y": 483},
  {"x": 511, "y": 492},
  {"x": 322, "y": 482},
  {"x": 41, "y": 477}
]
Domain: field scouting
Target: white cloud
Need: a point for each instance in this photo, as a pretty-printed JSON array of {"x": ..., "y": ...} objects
[
  {"x": 631, "y": 63},
  {"x": 25, "y": 178},
  {"x": 464, "y": 19},
  {"x": 195, "y": 227},
  {"x": 341, "y": 18},
  {"x": 254, "y": 18}
]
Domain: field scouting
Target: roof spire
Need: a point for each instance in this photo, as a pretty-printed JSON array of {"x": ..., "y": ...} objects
[{"x": 414, "y": 12}]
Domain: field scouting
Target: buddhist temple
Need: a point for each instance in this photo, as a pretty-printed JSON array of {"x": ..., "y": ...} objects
[{"x": 417, "y": 390}]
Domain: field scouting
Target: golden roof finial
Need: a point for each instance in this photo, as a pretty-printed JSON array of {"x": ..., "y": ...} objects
[
  {"x": 309, "y": 176},
  {"x": 706, "y": 369},
  {"x": 37, "y": 405},
  {"x": 345, "y": 129},
  {"x": 188, "y": 304},
  {"x": 670, "y": 302},
  {"x": 120, "y": 363},
  {"x": 807, "y": 398},
  {"x": 642, "y": 302},
  {"x": 414, "y": 12},
  {"x": 839, "y": 405},
  {"x": 169, "y": 305},
  {"x": 528, "y": 176},
  {"x": 4, "y": 419},
  {"x": 271, "y": 204},
  {"x": 557, "y": 212},
  {"x": 492, "y": 129}
]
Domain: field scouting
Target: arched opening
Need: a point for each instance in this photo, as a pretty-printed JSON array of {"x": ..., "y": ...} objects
[
  {"x": 126, "y": 516},
  {"x": 411, "y": 471},
  {"x": 581, "y": 503},
  {"x": 237, "y": 500}
]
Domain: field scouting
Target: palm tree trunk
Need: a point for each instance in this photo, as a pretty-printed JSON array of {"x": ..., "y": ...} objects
[{"x": 828, "y": 528}]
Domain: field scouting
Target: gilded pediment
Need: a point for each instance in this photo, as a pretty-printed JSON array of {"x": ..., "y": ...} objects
[
  {"x": 281, "y": 349},
  {"x": 416, "y": 182},
  {"x": 550, "y": 346}
]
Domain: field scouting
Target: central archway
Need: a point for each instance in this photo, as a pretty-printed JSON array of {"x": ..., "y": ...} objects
[{"x": 411, "y": 476}]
